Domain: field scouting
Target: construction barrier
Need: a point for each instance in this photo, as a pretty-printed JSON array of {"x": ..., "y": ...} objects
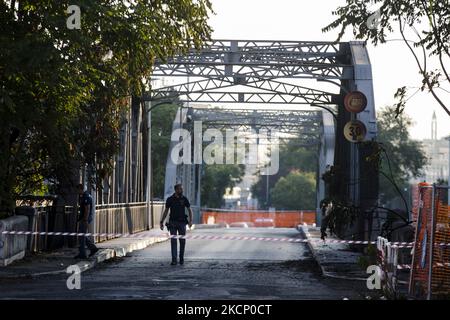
[
  {"x": 430, "y": 269},
  {"x": 276, "y": 219},
  {"x": 394, "y": 276}
]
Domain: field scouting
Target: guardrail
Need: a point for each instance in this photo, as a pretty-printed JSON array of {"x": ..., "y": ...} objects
[
  {"x": 109, "y": 219},
  {"x": 49, "y": 219},
  {"x": 387, "y": 259},
  {"x": 123, "y": 218}
]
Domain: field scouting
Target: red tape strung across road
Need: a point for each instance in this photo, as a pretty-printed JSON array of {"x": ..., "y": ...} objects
[
  {"x": 215, "y": 237},
  {"x": 207, "y": 237}
]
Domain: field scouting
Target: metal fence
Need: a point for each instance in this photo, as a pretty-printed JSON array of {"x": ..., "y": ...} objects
[
  {"x": 49, "y": 219},
  {"x": 111, "y": 218},
  {"x": 125, "y": 218},
  {"x": 393, "y": 261}
]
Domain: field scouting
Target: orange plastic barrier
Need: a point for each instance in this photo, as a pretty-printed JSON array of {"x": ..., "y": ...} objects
[
  {"x": 277, "y": 219},
  {"x": 430, "y": 272}
]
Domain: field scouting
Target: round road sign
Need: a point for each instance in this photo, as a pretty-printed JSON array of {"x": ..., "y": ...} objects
[
  {"x": 355, "y": 131},
  {"x": 355, "y": 102}
]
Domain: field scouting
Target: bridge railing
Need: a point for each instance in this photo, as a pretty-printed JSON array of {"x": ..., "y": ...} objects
[
  {"x": 110, "y": 218},
  {"x": 120, "y": 218}
]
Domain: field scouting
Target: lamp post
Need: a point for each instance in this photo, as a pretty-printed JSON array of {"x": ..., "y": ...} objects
[{"x": 149, "y": 184}]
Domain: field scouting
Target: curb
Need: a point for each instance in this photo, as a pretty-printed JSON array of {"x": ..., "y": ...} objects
[
  {"x": 325, "y": 273},
  {"x": 313, "y": 251},
  {"x": 101, "y": 256}
]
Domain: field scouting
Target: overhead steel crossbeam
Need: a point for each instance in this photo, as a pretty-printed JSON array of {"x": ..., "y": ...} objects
[
  {"x": 248, "y": 97},
  {"x": 263, "y": 59},
  {"x": 304, "y": 125},
  {"x": 231, "y": 71},
  {"x": 268, "y": 91}
]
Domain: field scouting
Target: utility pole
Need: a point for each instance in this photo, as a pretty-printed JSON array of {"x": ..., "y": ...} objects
[
  {"x": 149, "y": 165},
  {"x": 149, "y": 184}
]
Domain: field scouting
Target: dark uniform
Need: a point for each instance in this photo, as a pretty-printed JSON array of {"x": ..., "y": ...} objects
[
  {"x": 84, "y": 200},
  {"x": 177, "y": 222}
]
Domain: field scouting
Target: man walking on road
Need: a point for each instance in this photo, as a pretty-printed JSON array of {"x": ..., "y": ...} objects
[
  {"x": 85, "y": 216},
  {"x": 177, "y": 221}
]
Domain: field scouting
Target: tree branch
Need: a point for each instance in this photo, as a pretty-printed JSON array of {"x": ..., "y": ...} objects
[{"x": 427, "y": 81}]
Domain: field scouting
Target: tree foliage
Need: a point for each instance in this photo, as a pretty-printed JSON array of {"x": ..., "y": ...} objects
[
  {"x": 402, "y": 158},
  {"x": 296, "y": 191},
  {"x": 63, "y": 92},
  {"x": 162, "y": 120},
  {"x": 427, "y": 20},
  {"x": 216, "y": 179},
  {"x": 292, "y": 157}
]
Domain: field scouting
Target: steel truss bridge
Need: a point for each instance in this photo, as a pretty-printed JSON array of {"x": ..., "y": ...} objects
[
  {"x": 300, "y": 124},
  {"x": 229, "y": 83}
]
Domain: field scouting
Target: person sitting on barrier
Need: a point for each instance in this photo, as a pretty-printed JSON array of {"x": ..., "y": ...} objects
[
  {"x": 85, "y": 217},
  {"x": 177, "y": 221}
]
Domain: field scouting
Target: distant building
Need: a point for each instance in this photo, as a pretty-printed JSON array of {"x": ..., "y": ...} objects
[{"x": 437, "y": 152}]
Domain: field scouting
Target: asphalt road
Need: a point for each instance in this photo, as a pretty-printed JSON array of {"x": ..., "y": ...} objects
[{"x": 213, "y": 269}]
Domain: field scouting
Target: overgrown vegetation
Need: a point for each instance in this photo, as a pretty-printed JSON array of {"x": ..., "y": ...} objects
[
  {"x": 396, "y": 158},
  {"x": 297, "y": 165},
  {"x": 424, "y": 29},
  {"x": 63, "y": 92},
  {"x": 216, "y": 179}
]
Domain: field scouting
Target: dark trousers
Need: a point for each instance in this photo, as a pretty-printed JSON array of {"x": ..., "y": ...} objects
[
  {"x": 180, "y": 227},
  {"x": 85, "y": 240}
]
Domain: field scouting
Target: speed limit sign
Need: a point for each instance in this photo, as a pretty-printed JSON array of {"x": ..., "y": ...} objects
[{"x": 355, "y": 131}]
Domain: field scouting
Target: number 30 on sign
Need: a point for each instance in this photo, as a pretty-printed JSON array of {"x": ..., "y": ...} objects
[{"x": 355, "y": 131}]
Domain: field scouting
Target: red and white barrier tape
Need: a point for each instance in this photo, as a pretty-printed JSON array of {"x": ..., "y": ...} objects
[
  {"x": 206, "y": 237},
  {"x": 408, "y": 267},
  {"x": 403, "y": 267},
  {"x": 117, "y": 235},
  {"x": 201, "y": 237}
]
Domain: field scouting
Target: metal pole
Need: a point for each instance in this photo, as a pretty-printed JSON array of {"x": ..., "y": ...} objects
[
  {"x": 430, "y": 270},
  {"x": 418, "y": 223},
  {"x": 149, "y": 184},
  {"x": 199, "y": 191},
  {"x": 150, "y": 170},
  {"x": 182, "y": 165},
  {"x": 92, "y": 190},
  {"x": 355, "y": 185},
  {"x": 149, "y": 162},
  {"x": 448, "y": 181}
]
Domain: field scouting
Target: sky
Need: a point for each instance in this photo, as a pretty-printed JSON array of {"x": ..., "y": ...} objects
[{"x": 393, "y": 65}]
